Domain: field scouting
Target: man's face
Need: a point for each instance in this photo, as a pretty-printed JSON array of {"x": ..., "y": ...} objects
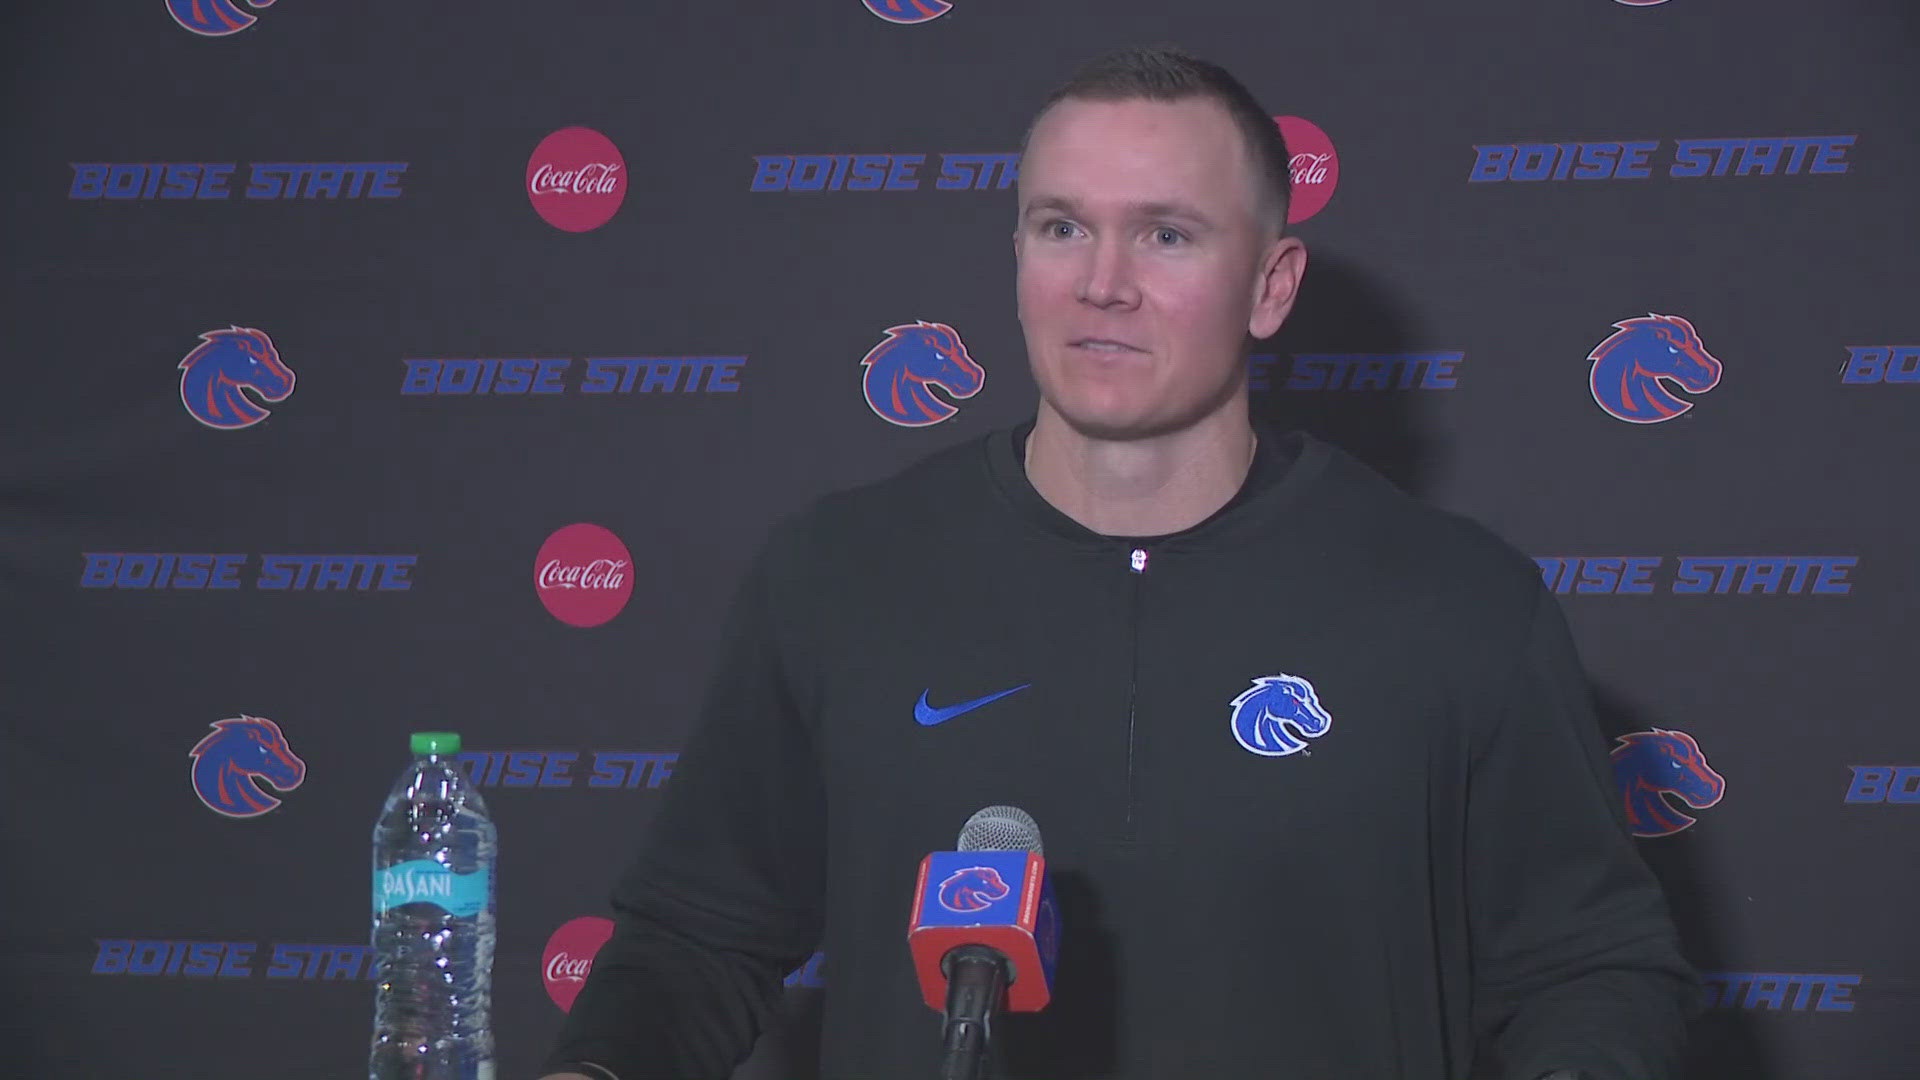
[{"x": 1144, "y": 262}]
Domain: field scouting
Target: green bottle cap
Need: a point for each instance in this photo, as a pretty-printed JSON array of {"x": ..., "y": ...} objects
[{"x": 438, "y": 743}]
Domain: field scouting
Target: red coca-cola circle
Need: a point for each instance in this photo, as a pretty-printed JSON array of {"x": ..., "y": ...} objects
[
  {"x": 568, "y": 957},
  {"x": 584, "y": 575},
  {"x": 1316, "y": 167},
  {"x": 576, "y": 179}
]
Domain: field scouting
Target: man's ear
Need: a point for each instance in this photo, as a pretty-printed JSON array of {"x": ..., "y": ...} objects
[{"x": 1282, "y": 266}]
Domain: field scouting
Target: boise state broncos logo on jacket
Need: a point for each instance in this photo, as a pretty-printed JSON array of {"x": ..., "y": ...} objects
[
  {"x": 1650, "y": 765},
  {"x": 976, "y": 888},
  {"x": 227, "y": 762},
  {"x": 1276, "y": 714},
  {"x": 1630, "y": 366},
  {"x": 912, "y": 357},
  {"x": 214, "y": 373}
]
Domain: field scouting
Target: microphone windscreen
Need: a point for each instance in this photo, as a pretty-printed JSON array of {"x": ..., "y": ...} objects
[{"x": 1000, "y": 828}]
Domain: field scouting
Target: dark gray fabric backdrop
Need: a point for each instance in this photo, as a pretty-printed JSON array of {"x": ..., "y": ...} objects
[{"x": 349, "y": 553}]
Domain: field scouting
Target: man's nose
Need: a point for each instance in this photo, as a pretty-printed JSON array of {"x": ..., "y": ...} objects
[{"x": 1108, "y": 277}]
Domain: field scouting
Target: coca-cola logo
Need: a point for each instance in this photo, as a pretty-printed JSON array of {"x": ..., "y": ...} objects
[
  {"x": 565, "y": 967},
  {"x": 568, "y": 957},
  {"x": 593, "y": 178},
  {"x": 576, "y": 179},
  {"x": 1315, "y": 164},
  {"x": 584, "y": 575},
  {"x": 598, "y": 574}
]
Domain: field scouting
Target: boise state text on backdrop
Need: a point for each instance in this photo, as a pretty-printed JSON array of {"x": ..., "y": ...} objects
[
  {"x": 1315, "y": 167},
  {"x": 1870, "y": 364},
  {"x": 222, "y": 570},
  {"x": 1777, "y": 991},
  {"x": 231, "y": 959},
  {"x": 1699, "y": 575},
  {"x": 884, "y": 172},
  {"x": 1634, "y": 160},
  {"x": 624, "y": 769},
  {"x": 212, "y": 180},
  {"x": 598, "y": 375},
  {"x": 1354, "y": 371},
  {"x": 1898, "y": 785}
]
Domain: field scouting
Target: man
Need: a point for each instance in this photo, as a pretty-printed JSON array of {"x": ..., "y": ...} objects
[{"x": 1409, "y": 868}]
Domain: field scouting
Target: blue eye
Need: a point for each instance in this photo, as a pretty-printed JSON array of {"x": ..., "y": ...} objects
[{"x": 1168, "y": 236}]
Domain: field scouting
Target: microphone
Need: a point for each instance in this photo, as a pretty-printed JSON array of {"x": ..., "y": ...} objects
[{"x": 985, "y": 933}]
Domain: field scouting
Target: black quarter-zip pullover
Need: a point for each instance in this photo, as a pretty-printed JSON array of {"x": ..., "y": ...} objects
[{"x": 1423, "y": 875}]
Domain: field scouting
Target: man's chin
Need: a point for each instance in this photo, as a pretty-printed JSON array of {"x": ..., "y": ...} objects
[
  {"x": 1109, "y": 427},
  {"x": 1141, "y": 421}
]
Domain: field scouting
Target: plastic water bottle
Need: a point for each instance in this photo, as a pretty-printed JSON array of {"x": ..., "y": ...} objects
[{"x": 433, "y": 922}]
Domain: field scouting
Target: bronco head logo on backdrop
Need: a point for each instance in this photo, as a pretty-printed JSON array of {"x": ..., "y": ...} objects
[
  {"x": 213, "y": 18},
  {"x": 1649, "y": 765},
  {"x": 908, "y": 11},
  {"x": 1629, "y": 366},
  {"x": 912, "y": 357},
  {"x": 976, "y": 888},
  {"x": 1270, "y": 716},
  {"x": 213, "y": 373},
  {"x": 226, "y": 762}
]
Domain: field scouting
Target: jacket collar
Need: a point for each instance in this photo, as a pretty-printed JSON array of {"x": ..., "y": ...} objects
[{"x": 1286, "y": 466}]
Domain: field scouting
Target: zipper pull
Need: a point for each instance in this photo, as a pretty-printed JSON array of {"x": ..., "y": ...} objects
[{"x": 1138, "y": 560}]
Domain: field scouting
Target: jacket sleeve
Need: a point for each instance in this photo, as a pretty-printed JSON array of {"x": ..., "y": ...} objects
[
  {"x": 1576, "y": 963},
  {"x": 723, "y": 897}
]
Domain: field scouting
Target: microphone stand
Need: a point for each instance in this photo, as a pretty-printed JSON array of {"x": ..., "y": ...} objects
[{"x": 977, "y": 979}]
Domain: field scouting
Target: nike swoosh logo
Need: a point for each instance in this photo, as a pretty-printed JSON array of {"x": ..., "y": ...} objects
[{"x": 928, "y": 716}]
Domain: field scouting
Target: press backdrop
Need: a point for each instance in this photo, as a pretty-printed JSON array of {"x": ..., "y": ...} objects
[{"x": 374, "y": 367}]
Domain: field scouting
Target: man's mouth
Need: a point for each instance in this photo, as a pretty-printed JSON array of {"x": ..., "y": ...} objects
[{"x": 1104, "y": 345}]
